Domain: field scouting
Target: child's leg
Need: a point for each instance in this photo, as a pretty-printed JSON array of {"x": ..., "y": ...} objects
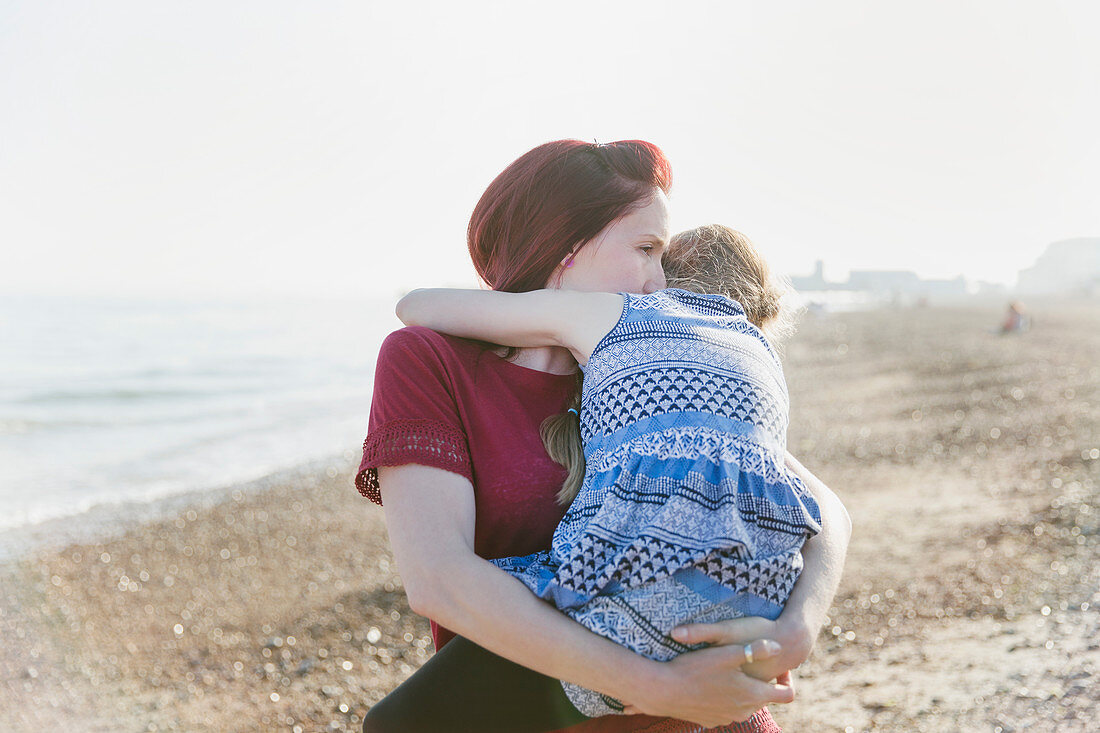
[{"x": 466, "y": 688}]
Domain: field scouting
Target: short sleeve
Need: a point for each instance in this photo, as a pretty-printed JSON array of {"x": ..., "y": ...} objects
[{"x": 414, "y": 415}]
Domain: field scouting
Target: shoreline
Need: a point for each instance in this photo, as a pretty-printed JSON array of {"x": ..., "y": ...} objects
[{"x": 104, "y": 520}]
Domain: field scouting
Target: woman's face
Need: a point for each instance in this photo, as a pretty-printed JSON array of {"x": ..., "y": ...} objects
[{"x": 625, "y": 256}]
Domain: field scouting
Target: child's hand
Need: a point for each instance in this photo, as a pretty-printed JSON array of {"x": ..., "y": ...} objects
[
  {"x": 734, "y": 631},
  {"x": 741, "y": 631}
]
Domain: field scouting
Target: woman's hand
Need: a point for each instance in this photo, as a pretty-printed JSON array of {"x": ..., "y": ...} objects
[
  {"x": 709, "y": 686},
  {"x": 795, "y": 640}
]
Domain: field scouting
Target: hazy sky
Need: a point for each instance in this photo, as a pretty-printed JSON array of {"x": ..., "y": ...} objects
[{"x": 337, "y": 148}]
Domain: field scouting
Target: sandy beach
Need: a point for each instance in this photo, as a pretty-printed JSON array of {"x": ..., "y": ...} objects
[{"x": 969, "y": 462}]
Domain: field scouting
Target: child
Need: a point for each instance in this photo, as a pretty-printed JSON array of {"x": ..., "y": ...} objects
[{"x": 686, "y": 511}]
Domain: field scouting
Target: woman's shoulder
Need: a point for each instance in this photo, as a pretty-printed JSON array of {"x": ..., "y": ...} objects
[
  {"x": 419, "y": 343},
  {"x": 416, "y": 349}
]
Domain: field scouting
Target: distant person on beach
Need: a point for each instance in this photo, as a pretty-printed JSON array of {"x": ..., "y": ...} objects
[
  {"x": 454, "y": 445},
  {"x": 1016, "y": 319},
  {"x": 687, "y": 511}
]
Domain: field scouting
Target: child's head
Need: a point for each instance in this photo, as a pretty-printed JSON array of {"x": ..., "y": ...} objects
[{"x": 718, "y": 260}]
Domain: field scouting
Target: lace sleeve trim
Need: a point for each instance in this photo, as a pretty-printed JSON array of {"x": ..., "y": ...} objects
[{"x": 400, "y": 442}]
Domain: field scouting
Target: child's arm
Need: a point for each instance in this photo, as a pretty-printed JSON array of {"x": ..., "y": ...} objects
[{"x": 571, "y": 318}]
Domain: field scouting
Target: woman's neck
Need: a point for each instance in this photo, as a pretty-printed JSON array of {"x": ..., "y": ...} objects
[{"x": 552, "y": 359}]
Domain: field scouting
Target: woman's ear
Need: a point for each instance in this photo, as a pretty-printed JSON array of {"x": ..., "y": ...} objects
[{"x": 554, "y": 281}]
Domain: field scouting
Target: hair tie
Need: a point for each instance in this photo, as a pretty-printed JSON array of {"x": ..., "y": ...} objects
[{"x": 574, "y": 412}]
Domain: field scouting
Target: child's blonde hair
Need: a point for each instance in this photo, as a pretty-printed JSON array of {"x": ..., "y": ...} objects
[
  {"x": 710, "y": 259},
  {"x": 718, "y": 260}
]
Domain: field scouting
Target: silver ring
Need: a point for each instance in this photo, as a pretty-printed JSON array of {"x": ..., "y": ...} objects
[{"x": 748, "y": 654}]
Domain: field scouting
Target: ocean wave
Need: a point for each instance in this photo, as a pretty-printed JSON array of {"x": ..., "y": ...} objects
[
  {"x": 128, "y": 394},
  {"x": 22, "y": 427}
]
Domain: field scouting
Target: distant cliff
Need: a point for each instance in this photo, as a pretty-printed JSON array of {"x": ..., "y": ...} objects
[{"x": 1068, "y": 266}]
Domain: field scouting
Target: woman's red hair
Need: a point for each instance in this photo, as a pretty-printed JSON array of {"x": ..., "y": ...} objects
[{"x": 553, "y": 199}]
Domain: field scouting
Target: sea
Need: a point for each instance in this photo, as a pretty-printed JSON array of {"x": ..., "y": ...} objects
[{"x": 116, "y": 402}]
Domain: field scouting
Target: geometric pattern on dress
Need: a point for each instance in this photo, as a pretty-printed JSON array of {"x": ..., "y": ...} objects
[
  {"x": 726, "y": 335},
  {"x": 648, "y": 336},
  {"x": 730, "y": 351},
  {"x": 697, "y": 441},
  {"x": 623, "y": 505},
  {"x": 706, "y": 500},
  {"x": 598, "y": 563},
  {"x": 642, "y": 619},
  {"x": 679, "y": 304},
  {"x": 783, "y": 521},
  {"x": 529, "y": 569},
  {"x": 596, "y": 499},
  {"x": 771, "y": 578},
  {"x": 591, "y": 703},
  {"x": 667, "y": 495},
  {"x": 725, "y": 316},
  {"x": 642, "y": 529},
  {"x": 676, "y": 389}
]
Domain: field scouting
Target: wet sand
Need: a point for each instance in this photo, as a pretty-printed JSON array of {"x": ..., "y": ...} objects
[{"x": 969, "y": 461}]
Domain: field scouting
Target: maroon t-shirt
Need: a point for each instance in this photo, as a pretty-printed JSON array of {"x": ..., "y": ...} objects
[{"x": 449, "y": 403}]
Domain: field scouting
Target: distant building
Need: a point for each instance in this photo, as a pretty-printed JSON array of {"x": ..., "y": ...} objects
[
  {"x": 989, "y": 289},
  {"x": 1068, "y": 266},
  {"x": 884, "y": 281},
  {"x": 954, "y": 286},
  {"x": 880, "y": 283},
  {"x": 816, "y": 281}
]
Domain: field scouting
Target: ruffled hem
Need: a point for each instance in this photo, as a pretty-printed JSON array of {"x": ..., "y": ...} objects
[
  {"x": 742, "y": 452},
  {"x": 401, "y": 442}
]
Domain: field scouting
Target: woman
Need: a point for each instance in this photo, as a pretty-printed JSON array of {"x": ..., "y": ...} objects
[{"x": 454, "y": 448}]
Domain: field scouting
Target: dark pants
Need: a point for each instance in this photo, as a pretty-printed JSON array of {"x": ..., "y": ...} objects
[{"x": 467, "y": 688}]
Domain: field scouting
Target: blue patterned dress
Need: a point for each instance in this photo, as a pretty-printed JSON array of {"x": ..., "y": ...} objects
[{"x": 687, "y": 512}]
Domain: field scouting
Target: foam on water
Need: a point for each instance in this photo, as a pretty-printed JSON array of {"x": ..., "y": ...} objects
[{"x": 111, "y": 401}]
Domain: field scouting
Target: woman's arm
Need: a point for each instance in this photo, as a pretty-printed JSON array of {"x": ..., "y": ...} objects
[
  {"x": 798, "y": 626},
  {"x": 823, "y": 557},
  {"x": 430, "y": 518},
  {"x": 574, "y": 319}
]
